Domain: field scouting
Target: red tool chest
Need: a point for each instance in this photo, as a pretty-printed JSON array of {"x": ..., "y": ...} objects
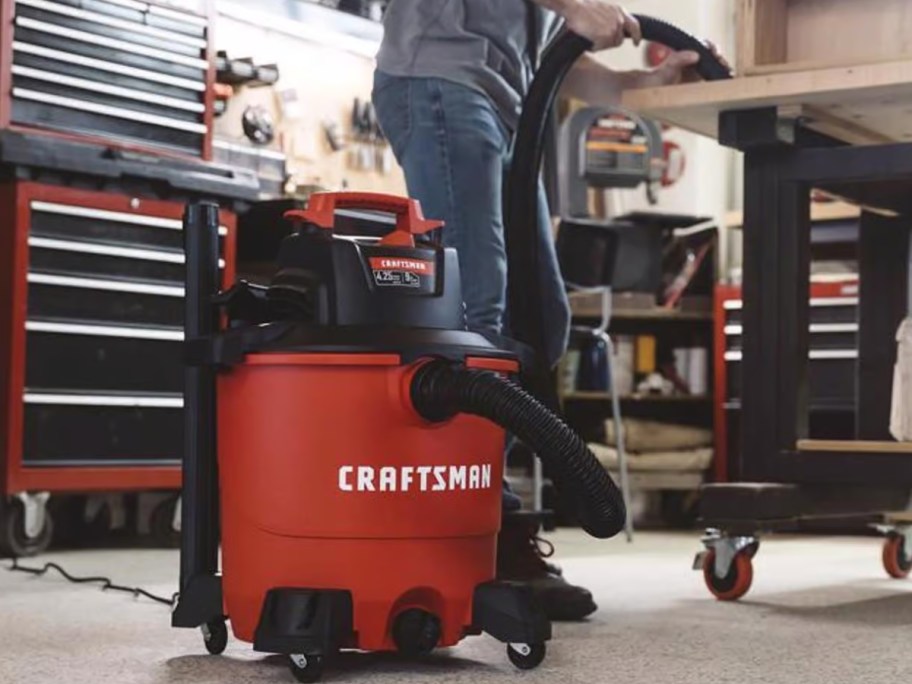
[
  {"x": 128, "y": 73},
  {"x": 831, "y": 374},
  {"x": 91, "y": 301}
]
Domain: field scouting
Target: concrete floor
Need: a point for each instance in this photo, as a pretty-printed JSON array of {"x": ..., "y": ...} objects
[{"x": 821, "y": 611}]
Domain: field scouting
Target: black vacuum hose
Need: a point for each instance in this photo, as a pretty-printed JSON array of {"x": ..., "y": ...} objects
[
  {"x": 441, "y": 389},
  {"x": 521, "y": 200}
]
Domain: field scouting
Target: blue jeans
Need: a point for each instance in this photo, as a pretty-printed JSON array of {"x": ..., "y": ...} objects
[{"x": 455, "y": 151}]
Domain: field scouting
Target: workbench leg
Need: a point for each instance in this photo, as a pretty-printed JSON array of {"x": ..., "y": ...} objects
[
  {"x": 883, "y": 249},
  {"x": 775, "y": 313}
]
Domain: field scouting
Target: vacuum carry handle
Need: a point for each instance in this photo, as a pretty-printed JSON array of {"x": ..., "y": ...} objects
[{"x": 410, "y": 221}]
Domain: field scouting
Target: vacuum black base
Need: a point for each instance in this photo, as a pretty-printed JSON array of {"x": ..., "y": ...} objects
[{"x": 311, "y": 622}]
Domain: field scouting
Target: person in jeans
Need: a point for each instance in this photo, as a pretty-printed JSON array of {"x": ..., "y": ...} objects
[{"x": 450, "y": 79}]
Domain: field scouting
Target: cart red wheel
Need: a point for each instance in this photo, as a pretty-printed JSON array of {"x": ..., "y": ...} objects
[
  {"x": 894, "y": 557},
  {"x": 736, "y": 583}
]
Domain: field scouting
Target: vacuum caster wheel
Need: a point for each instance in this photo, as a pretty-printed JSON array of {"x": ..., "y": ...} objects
[
  {"x": 736, "y": 583},
  {"x": 15, "y": 541},
  {"x": 526, "y": 656},
  {"x": 215, "y": 636},
  {"x": 306, "y": 668},
  {"x": 895, "y": 561}
]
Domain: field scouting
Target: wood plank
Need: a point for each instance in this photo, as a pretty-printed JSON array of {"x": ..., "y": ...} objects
[
  {"x": 848, "y": 30},
  {"x": 855, "y": 446},
  {"x": 762, "y": 33},
  {"x": 877, "y": 97},
  {"x": 820, "y": 211}
]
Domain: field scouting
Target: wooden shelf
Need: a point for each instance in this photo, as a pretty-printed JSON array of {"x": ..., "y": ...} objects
[
  {"x": 867, "y": 447},
  {"x": 858, "y": 103},
  {"x": 644, "y": 398},
  {"x": 820, "y": 211},
  {"x": 583, "y": 307}
]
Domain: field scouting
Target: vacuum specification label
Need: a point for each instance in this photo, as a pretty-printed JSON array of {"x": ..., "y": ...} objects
[{"x": 403, "y": 272}]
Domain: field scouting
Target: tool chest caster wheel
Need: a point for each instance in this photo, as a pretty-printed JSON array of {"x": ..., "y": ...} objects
[
  {"x": 215, "y": 636},
  {"x": 896, "y": 557},
  {"x": 21, "y": 536},
  {"x": 526, "y": 656},
  {"x": 161, "y": 524},
  {"x": 306, "y": 668},
  {"x": 736, "y": 582}
]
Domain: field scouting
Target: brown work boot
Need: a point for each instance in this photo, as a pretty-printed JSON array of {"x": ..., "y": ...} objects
[{"x": 521, "y": 555}]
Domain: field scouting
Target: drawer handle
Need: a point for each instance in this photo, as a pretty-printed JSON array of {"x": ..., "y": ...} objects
[
  {"x": 113, "y": 43},
  {"x": 117, "y": 91},
  {"x": 47, "y": 399},
  {"x": 106, "y": 110},
  {"x": 108, "y": 285},
  {"x": 116, "y": 216},
  {"x": 814, "y": 355},
  {"x": 104, "y": 20},
  {"x": 135, "y": 333},
  {"x": 735, "y": 329},
  {"x": 109, "y": 250},
  {"x": 738, "y": 304},
  {"x": 113, "y": 67}
]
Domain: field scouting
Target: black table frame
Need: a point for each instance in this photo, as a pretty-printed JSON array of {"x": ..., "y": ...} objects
[{"x": 783, "y": 162}]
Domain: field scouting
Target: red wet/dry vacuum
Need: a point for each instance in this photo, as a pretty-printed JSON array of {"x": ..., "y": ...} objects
[
  {"x": 359, "y": 432},
  {"x": 344, "y": 438}
]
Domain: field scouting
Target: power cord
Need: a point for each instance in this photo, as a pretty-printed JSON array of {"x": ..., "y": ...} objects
[{"x": 106, "y": 583}]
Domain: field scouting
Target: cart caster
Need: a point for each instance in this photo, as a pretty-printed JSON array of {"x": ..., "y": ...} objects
[
  {"x": 526, "y": 656},
  {"x": 162, "y": 523},
  {"x": 727, "y": 564},
  {"x": 26, "y": 528},
  {"x": 736, "y": 582},
  {"x": 306, "y": 668},
  {"x": 215, "y": 636},
  {"x": 897, "y": 560}
]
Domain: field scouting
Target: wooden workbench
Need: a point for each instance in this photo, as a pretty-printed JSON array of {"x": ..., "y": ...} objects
[{"x": 860, "y": 104}]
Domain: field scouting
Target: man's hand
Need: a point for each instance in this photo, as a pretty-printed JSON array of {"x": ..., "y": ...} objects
[
  {"x": 607, "y": 25},
  {"x": 678, "y": 68}
]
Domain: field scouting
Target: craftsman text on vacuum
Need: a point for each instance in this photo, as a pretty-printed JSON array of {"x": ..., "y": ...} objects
[{"x": 414, "y": 478}]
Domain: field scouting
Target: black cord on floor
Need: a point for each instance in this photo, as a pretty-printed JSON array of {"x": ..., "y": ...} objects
[{"x": 105, "y": 582}]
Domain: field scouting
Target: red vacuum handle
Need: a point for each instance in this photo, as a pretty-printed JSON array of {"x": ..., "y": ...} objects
[{"x": 410, "y": 221}]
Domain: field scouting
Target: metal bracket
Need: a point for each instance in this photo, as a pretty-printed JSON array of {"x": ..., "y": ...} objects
[
  {"x": 35, "y": 512},
  {"x": 522, "y": 649},
  {"x": 725, "y": 548}
]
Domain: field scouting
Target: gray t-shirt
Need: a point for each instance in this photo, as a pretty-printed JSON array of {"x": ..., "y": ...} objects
[{"x": 483, "y": 44}]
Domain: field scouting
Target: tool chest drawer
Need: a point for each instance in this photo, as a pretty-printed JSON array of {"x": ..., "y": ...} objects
[
  {"x": 133, "y": 71},
  {"x": 96, "y": 325},
  {"x": 96, "y": 358},
  {"x": 95, "y": 430},
  {"x": 833, "y": 350}
]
